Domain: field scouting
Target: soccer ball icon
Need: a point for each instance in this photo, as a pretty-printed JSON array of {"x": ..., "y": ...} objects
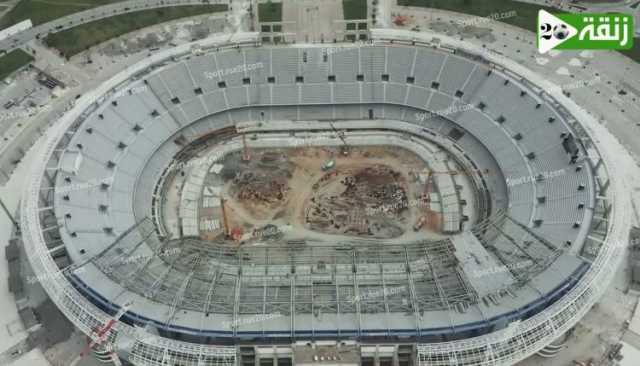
[{"x": 560, "y": 31}]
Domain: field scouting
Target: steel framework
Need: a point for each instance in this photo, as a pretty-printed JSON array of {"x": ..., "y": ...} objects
[{"x": 143, "y": 348}]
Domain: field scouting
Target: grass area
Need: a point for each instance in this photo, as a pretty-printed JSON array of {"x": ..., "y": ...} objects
[
  {"x": 12, "y": 61},
  {"x": 523, "y": 15},
  {"x": 82, "y": 37},
  {"x": 354, "y": 9},
  {"x": 41, "y": 11},
  {"x": 270, "y": 12}
]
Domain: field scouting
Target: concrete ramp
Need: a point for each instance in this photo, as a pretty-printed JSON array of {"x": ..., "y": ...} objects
[{"x": 485, "y": 272}]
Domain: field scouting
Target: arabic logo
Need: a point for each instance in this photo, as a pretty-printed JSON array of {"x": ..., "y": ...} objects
[
  {"x": 584, "y": 31},
  {"x": 560, "y": 31},
  {"x": 606, "y": 30},
  {"x": 552, "y": 31}
]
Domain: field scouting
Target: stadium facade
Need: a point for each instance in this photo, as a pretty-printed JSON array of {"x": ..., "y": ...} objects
[{"x": 501, "y": 287}]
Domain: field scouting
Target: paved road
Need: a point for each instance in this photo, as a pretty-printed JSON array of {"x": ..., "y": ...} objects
[{"x": 90, "y": 15}]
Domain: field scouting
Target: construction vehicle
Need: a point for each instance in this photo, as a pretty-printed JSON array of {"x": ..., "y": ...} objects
[
  {"x": 237, "y": 234},
  {"x": 420, "y": 223},
  {"x": 328, "y": 165},
  {"x": 400, "y": 20},
  {"x": 340, "y": 134}
]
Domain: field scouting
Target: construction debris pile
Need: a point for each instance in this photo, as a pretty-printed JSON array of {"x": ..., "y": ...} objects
[
  {"x": 369, "y": 201},
  {"x": 263, "y": 181},
  {"x": 316, "y": 191},
  {"x": 260, "y": 188},
  {"x": 381, "y": 194}
]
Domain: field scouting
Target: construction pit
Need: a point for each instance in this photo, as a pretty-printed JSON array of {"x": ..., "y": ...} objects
[{"x": 319, "y": 186}]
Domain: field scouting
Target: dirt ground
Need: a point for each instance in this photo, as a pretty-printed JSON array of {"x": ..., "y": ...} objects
[{"x": 371, "y": 192}]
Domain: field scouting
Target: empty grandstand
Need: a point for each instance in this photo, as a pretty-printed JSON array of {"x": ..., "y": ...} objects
[{"x": 512, "y": 182}]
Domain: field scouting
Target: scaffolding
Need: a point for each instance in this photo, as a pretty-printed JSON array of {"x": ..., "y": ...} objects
[{"x": 306, "y": 278}]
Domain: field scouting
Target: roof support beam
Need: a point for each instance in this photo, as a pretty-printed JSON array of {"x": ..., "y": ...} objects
[
  {"x": 95, "y": 259},
  {"x": 293, "y": 302},
  {"x": 356, "y": 290},
  {"x": 412, "y": 292},
  {"x": 213, "y": 274},
  {"x": 434, "y": 274},
  {"x": 236, "y": 302},
  {"x": 337, "y": 287},
  {"x": 515, "y": 244},
  {"x": 544, "y": 241},
  {"x": 177, "y": 300},
  {"x": 151, "y": 293},
  {"x": 384, "y": 293}
]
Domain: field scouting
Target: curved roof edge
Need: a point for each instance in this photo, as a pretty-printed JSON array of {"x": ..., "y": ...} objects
[{"x": 495, "y": 348}]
